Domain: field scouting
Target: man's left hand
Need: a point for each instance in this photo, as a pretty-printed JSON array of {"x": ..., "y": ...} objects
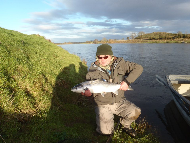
[{"x": 124, "y": 86}]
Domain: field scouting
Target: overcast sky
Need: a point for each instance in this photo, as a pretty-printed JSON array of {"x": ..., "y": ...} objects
[{"x": 85, "y": 20}]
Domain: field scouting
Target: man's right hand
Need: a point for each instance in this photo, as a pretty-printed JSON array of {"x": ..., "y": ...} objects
[{"x": 86, "y": 93}]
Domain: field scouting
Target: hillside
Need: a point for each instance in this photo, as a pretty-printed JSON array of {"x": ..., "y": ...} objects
[
  {"x": 30, "y": 66},
  {"x": 36, "y": 104},
  {"x": 162, "y": 35}
]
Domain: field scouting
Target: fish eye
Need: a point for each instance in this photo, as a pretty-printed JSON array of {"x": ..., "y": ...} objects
[{"x": 79, "y": 85}]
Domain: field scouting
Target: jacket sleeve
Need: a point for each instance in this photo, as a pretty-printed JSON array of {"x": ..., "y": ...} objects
[
  {"x": 88, "y": 77},
  {"x": 133, "y": 71}
]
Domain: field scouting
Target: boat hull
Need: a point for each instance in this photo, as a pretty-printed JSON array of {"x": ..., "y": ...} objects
[{"x": 180, "y": 88}]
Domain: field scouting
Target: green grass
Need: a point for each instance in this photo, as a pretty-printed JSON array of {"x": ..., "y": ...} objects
[
  {"x": 145, "y": 134},
  {"x": 36, "y": 103}
]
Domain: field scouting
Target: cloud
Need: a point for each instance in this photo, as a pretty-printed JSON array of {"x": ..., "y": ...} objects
[
  {"x": 130, "y": 10},
  {"x": 95, "y": 19}
]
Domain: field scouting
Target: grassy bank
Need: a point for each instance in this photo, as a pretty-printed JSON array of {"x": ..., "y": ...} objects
[{"x": 36, "y": 104}]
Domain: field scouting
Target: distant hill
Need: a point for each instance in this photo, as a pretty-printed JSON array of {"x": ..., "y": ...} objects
[
  {"x": 162, "y": 36},
  {"x": 142, "y": 37}
]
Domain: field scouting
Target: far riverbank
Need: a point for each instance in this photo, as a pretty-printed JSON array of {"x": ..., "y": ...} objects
[{"x": 179, "y": 40}]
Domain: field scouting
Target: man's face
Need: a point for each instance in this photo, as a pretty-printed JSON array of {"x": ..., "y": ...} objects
[{"x": 104, "y": 60}]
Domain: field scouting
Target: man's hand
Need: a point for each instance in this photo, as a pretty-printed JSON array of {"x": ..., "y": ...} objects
[
  {"x": 86, "y": 93},
  {"x": 124, "y": 86}
]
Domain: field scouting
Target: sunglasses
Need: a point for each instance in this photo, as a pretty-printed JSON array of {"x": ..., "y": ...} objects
[{"x": 103, "y": 57}]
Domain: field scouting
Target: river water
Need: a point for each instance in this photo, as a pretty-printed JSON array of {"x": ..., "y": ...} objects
[{"x": 156, "y": 59}]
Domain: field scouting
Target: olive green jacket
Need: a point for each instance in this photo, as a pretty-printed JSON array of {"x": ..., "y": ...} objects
[{"x": 121, "y": 70}]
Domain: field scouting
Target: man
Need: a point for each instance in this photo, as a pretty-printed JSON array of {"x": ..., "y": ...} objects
[{"x": 113, "y": 69}]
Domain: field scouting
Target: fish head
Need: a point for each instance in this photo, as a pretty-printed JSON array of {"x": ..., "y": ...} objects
[{"x": 78, "y": 88}]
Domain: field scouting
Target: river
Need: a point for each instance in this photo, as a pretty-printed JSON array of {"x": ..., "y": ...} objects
[{"x": 156, "y": 59}]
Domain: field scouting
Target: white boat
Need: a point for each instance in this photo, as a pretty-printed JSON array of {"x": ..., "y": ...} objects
[{"x": 180, "y": 88}]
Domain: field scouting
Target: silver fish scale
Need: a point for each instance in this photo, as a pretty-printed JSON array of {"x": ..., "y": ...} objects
[{"x": 97, "y": 86}]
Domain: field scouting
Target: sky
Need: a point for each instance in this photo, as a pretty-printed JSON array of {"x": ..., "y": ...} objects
[{"x": 85, "y": 20}]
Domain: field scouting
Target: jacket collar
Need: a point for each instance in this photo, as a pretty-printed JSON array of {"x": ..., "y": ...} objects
[{"x": 114, "y": 64}]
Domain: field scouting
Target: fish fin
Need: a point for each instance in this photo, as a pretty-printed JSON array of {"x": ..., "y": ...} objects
[
  {"x": 116, "y": 92},
  {"x": 86, "y": 89},
  {"x": 130, "y": 88},
  {"x": 103, "y": 93}
]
